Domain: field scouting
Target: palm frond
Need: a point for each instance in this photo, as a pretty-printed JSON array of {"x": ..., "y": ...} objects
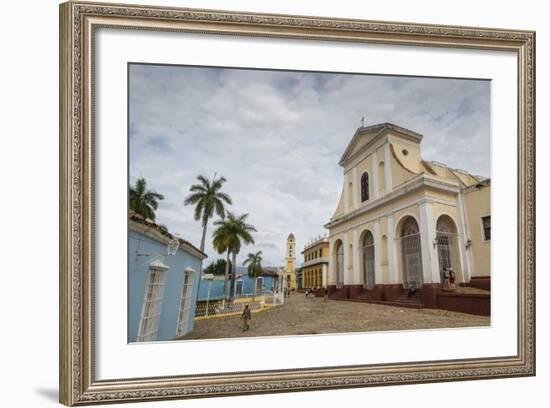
[
  {"x": 155, "y": 195},
  {"x": 198, "y": 210},
  {"x": 204, "y": 181},
  {"x": 193, "y": 199},
  {"x": 224, "y": 197},
  {"x": 219, "y": 222},
  {"x": 220, "y": 209},
  {"x": 217, "y": 184},
  {"x": 197, "y": 188},
  {"x": 247, "y": 237}
]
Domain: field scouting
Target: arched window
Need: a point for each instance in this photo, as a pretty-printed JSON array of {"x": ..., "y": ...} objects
[
  {"x": 411, "y": 253},
  {"x": 365, "y": 187},
  {"x": 368, "y": 260},
  {"x": 447, "y": 247}
]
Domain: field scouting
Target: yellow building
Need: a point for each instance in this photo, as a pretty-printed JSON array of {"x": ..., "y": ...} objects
[
  {"x": 290, "y": 262},
  {"x": 315, "y": 266},
  {"x": 402, "y": 221}
]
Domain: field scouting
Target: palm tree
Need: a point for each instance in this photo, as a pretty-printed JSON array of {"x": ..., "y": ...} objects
[
  {"x": 143, "y": 201},
  {"x": 221, "y": 244},
  {"x": 254, "y": 262},
  {"x": 229, "y": 236},
  {"x": 207, "y": 198}
]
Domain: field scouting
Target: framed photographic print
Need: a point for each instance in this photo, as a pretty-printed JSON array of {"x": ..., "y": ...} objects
[{"x": 256, "y": 203}]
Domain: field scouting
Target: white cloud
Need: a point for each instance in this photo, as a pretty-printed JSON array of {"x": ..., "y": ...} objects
[{"x": 277, "y": 137}]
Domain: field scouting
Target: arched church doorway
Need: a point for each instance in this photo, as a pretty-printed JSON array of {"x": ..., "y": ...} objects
[
  {"x": 368, "y": 260},
  {"x": 447, "y": 249},
  {"x": 411, "y": 255}
]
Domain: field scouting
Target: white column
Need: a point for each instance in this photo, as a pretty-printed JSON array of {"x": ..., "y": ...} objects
[
  {"x": 347, "y": 264},
  {"x": 392, "y": 253},
  {"x": 374, "y": 175},
  {"x": 430, "y": 264},
  {"x": 387, "y": 167},
  {"x": 355, "y": 186},
  {"x": 377, "y": 252},
  {"x": 464, "y": 234},
  {"x": 324, "y": 275},
  {"x": 356, "y": 268},
  {"x": 331, "y": 264}
]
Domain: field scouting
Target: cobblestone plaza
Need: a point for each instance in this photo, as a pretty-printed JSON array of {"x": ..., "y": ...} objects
[{"x": 301, "y": 315}]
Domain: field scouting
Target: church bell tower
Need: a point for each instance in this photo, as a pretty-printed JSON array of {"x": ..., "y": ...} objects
[{"x": 290, "y": 261}]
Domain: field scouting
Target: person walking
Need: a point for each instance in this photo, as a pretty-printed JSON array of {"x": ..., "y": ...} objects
[
  {"x": 246, "y": 317},
  {"x": 326, "y": 295}
]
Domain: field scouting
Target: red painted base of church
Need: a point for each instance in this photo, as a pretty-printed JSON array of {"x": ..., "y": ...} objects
[
  {"x": 346, "y": 292},
  {"x": 473, "y": 303},
  {"x": 429, "y": 296},
  {"x": 480, "y": 282}
]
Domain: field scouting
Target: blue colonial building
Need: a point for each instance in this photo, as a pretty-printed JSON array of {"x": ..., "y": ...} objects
[
  {"x": 267, "y": 281},
  {"x": 163, "y": 281}
]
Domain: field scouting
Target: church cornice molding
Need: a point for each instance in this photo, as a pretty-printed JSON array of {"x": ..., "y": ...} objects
[
  {"x": 390, "y": 213},
  {"x": 421, "y": 181}
]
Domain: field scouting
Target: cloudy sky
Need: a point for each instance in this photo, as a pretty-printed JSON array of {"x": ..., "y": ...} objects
[{"x": 277, "y": 137}]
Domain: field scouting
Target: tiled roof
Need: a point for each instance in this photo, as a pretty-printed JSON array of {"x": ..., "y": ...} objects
[
  {"x": 268, "y": 272},
  {"x": 134, "y": 216}
]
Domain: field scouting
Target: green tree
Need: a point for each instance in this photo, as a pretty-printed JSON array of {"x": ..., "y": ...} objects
[
  {"x": 143, "y": 201},
  {"x": 231, "y": 233},
  {"x": 254, "y": 262},
  {"x": 217, "y": 267},
  {"x": 207, "y": 199}
]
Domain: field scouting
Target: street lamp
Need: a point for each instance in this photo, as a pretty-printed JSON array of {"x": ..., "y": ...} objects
[{"x": 172, "y": 247}]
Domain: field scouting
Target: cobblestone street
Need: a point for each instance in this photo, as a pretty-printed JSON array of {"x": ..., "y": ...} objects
[{"x": 314, "y": 315}]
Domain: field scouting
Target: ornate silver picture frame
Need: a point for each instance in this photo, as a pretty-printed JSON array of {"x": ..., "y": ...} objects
[{"x": 79, "y": 22}]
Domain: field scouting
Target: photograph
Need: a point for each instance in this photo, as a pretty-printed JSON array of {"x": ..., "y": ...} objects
[
  {"x": 272, "y": 201},
  {"x": 268, "y": 202}
]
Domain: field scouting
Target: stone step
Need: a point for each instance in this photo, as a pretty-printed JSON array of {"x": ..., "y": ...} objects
[
  {"x": 412, "y": 305},
  {"x": 397, "y": 303},
  {"x": 407, "y": 299}
]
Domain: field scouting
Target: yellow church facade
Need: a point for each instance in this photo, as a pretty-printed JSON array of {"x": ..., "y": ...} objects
[{"x": 403, "y": 222}]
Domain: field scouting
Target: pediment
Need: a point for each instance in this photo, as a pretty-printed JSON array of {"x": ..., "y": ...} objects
[{"x": 365, "y": 136}]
